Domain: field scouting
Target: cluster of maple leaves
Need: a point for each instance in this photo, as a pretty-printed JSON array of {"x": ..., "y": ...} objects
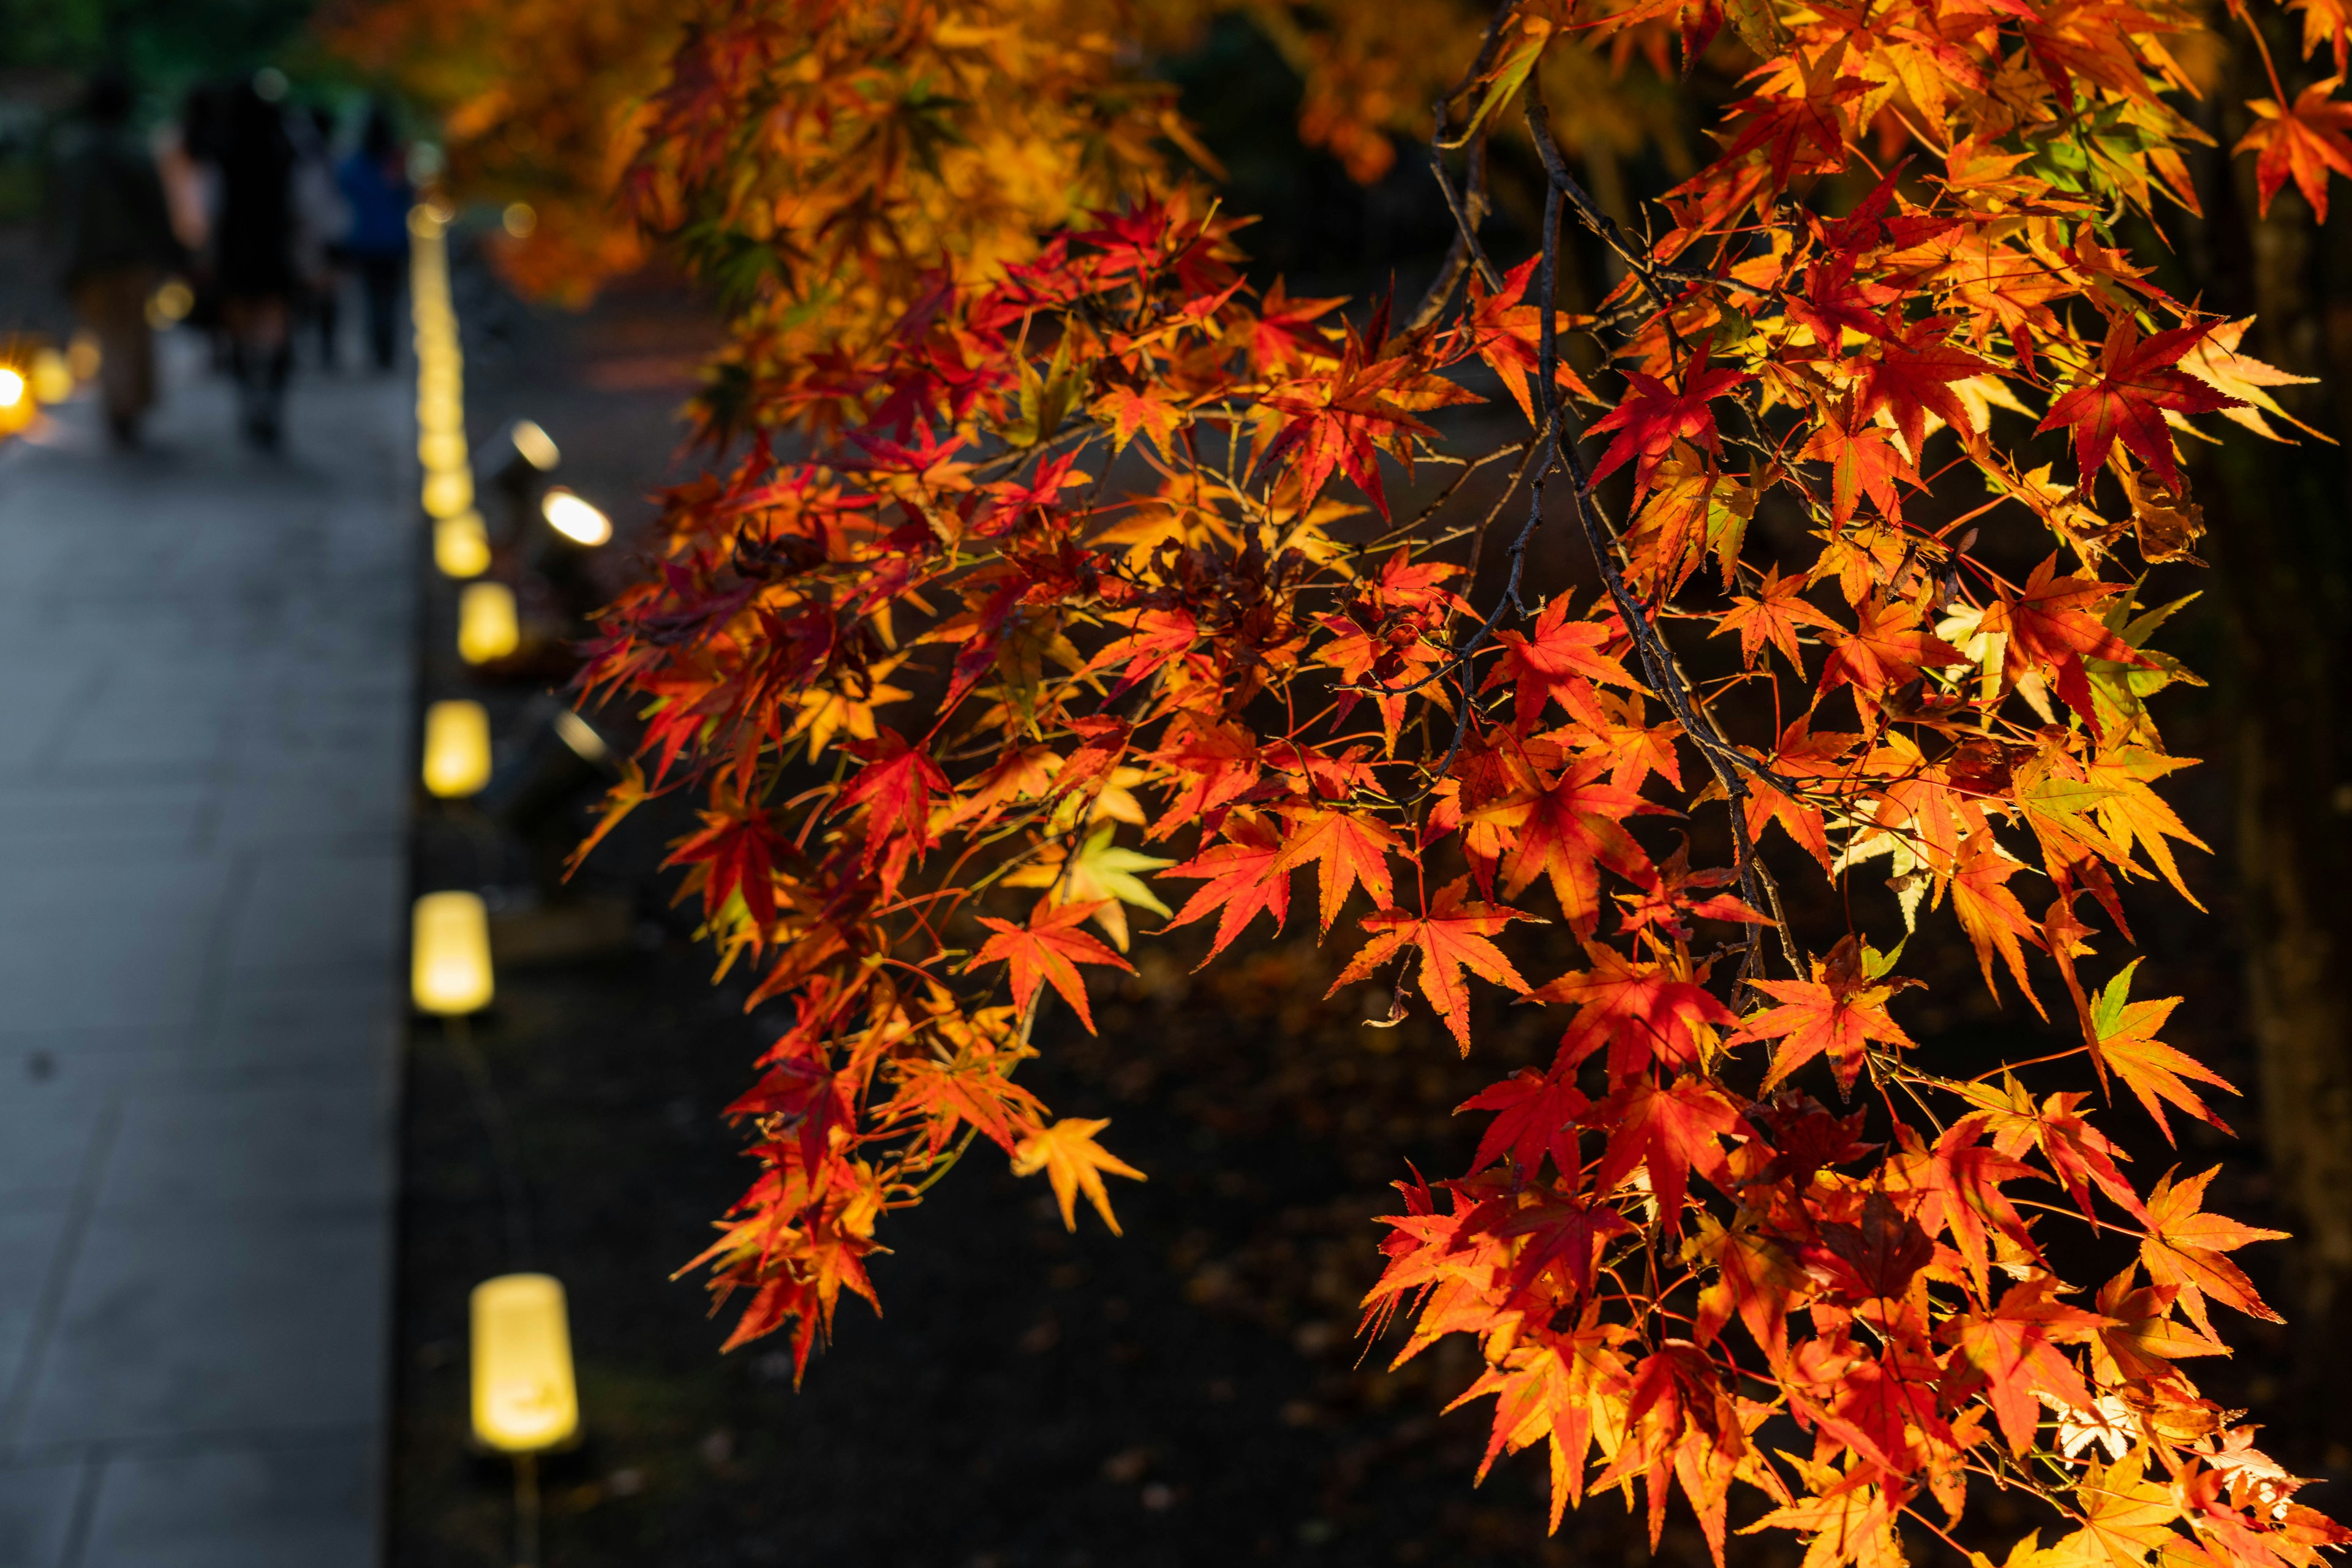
[{"x": 1063, "y": 579}]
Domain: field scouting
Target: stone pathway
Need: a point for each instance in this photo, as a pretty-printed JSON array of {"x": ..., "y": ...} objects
[{"x": 205, "y": 665}]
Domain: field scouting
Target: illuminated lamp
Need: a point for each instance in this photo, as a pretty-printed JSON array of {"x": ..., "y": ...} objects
[
  {"x": 52, "y": 377},
  {"x": 441, "y": 449},
  {"x": 461, "y": 545},
  {"x": 448, "y": 491},
  {"x": 457, "y": 748},
  {"x": 574, "y": 518},
  {"x": 84, "y": 357},
  {"x": 486, "y": 626},
  {"x": 526, "y": 1399},
  {"x": 449, "y": 961}
]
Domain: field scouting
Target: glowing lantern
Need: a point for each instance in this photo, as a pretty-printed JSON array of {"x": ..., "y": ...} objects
[
  {"x": 447, "y": 492},
  {"x": 525, "y": 1399},
  {"x": 457, "y": 748},
  {"x": 53, "y": 378},
  {"x": 575, "y": 519},
  {"x": 537, "y": 448},
  {"x": 486, "y": 627},
  {"x": 449, "y": 961},
  {"x": 441, "y": 449},
  {"x": 17, "y": 406},
  {"x": 461, "y": 545}
]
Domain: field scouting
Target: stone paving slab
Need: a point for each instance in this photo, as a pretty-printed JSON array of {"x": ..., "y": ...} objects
[{"x": 203, "y": 754}]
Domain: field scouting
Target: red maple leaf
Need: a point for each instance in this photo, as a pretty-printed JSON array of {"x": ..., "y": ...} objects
[
  {"x": 2126, "y": 399},
  {"x": 1047, "y": 950},
  {"x": 1655, "y": 416},
  {"x": 1641, "y": 1011},
  {"x": 1243, "y": 879},
  {"x": 1553, "y": 660},
  {"x": 1670, "y": 1131}
]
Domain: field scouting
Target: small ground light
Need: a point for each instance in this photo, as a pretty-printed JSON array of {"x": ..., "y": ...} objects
[
  {"x": 525, "y": 1397},
  {"x": 487, "y": 626},
  {"x": 449, "y": 961},
  {"x": 577, "y": 734},
  {"x": 574, "y": 518},
  {"x": 538, "y": 448},
  {"x": 52, "y": 377},
  {"x": 457, "y": 748},
  {"x": 461, "y": 545},
  {"x": 525, "y": 1401}
]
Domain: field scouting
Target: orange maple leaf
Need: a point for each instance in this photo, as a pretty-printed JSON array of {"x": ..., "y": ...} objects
[
  {"x": 2184, "y": 1244},
  {"x": 1831, "y": 1013},
  {"x": 2307, "y": 141},
  {"x": 1452, "y": 936},
  {"x": 1066, "y": 1151},
  {"x": 1048, "y": 950},
  {"x": 1347, "y": 848}
]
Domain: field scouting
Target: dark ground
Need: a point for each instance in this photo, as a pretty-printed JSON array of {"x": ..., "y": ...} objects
[{"x": 1191, "y": 1393}]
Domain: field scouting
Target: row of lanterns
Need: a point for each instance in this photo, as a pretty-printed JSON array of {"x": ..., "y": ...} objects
[{"x": 525, "y": 1398}]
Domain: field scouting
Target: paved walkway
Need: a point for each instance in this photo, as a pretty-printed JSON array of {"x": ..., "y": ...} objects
[{"x": 205, "y": 674}]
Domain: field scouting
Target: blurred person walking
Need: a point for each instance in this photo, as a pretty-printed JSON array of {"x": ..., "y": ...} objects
[
  {"x": 116, "y": 234},
  {"x": 376, "y": 191},
  {"x": 253, "y": 252},
  {"x": 322, "y": 222}
]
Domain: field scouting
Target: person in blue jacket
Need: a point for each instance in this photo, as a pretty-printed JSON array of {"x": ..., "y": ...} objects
[{"x": 375, "y": 182}]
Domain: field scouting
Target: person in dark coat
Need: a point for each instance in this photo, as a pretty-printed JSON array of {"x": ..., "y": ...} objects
[
  {"x": 253, "y": 257},
  {"x": 376, "y": 191},
  {"x": 116, "y": 235}
]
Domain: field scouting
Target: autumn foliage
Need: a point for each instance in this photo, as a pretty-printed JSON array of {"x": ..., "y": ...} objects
[{"x": 1063, "y": 587}]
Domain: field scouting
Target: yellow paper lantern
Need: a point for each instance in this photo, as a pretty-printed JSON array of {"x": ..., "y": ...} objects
[
  {"x": 441, "y": 449},
  {"x": 461, "y": 545},
  {"x": 574, "y": 518},
  {"x": 457, "y": 748},
  {"x": 448, "y": 491},
  {"x": 449, "y": 959},
  {"x": 525, "y": 1397},
  {"x": 486, "y": 626},
  {"x": 52, "y": 378}
]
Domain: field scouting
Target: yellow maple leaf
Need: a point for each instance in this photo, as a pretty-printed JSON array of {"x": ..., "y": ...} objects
[{"x": 1066, "y": 1151}]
